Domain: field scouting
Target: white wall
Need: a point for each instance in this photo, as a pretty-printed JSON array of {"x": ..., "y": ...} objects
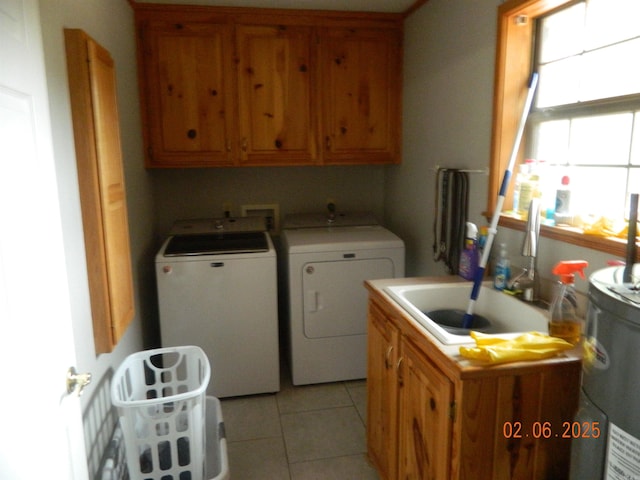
[
  {"x": 448, "y": 82},
  {"x": 197, "y": 193},
  {"x": 448, "y": 91},
  {"x": 110, "y": 22}
]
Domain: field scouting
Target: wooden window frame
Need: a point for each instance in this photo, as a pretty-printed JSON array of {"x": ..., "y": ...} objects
[{"x": 514, "y": 58}]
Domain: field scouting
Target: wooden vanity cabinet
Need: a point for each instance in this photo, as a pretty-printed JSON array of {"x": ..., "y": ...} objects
[
  {"x": 188, "y": 95},
  {"x": 429, "y": 417}
]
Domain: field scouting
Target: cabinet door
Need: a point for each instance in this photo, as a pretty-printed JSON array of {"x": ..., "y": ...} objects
[
  {"x": 361, "y": 75},
  {"x": 425, "y": 422},
  {"x": 382, "y": 393},
  {"x": 188, "y": 93},
  {"x": 92, "y": 85},
  {"x": 277, "y": 111}
]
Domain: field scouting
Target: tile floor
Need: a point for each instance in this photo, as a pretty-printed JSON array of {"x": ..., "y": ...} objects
[{"x": 300, "y": 433}]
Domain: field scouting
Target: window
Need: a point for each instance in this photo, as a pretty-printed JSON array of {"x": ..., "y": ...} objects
[{"x": 585, "y": 123}]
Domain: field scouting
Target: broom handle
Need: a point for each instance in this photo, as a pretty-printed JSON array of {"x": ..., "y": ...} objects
[{"x": 493, "y": 227}]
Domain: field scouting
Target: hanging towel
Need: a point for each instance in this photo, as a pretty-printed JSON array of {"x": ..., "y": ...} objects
[
  {"x": 452, "y": 205},
  {"x": 439, "y": 225}
]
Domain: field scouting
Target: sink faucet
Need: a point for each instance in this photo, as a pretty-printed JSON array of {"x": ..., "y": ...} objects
[{"x": 528, "y": 281}]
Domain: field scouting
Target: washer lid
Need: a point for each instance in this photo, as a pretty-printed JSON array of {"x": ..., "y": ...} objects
[
  {"x": 216, "y": 225},
  {"x": 216, "y": 244}
]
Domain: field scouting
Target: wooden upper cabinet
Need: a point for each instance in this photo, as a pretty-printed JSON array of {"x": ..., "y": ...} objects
[
  {"x": 92, "y": 86},
  {"x": 276, "y": 102},
  {"x": 224, "y": 86},
  {"x": 188, "y": 88},
  {"x": 361, "y": 85}
]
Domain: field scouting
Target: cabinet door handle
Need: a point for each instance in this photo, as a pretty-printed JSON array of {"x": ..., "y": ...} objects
[
  {"x": 387, "y": 356},
  {"x": 399, "y": 370},
  {"x": 327, "y": 141},
  {"x": 243, "y": 144}
]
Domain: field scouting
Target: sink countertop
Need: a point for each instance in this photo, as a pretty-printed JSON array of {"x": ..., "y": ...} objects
[{"x": 450, "y": 354}]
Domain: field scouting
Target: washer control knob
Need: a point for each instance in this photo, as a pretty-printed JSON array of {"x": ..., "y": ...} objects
[
  {"x": 167, "y": 269},
  {"x": 310, "y": 269}
]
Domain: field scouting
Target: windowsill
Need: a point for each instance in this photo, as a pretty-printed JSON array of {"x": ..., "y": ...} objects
[{"x": 611, "y": 245}]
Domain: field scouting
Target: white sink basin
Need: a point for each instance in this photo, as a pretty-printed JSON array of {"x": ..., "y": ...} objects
[{"x": 506, "y": 314}]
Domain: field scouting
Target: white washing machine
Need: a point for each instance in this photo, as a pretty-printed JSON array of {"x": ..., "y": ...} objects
[
  {"x": 326, "y": 261},
  {"x": 217, "y": 289}
]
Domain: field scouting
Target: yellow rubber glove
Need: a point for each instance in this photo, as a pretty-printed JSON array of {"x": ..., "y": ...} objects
[{"x": 528, "y": 346}]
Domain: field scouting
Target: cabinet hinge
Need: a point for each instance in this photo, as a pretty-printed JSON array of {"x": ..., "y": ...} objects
[{"x": 452, "y": 411}]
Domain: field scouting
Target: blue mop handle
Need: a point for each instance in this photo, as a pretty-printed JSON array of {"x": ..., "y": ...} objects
[{"x": 467, "y": 321}]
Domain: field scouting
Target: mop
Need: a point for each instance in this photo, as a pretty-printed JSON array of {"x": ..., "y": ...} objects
[{"x": 467, "y": 321}]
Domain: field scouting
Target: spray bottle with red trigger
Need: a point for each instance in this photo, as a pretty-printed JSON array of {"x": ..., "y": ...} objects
[{"x": 565, "y": 322}]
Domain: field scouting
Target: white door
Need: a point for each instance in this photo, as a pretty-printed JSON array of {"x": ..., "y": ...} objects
[{"x": 41, "y": 432}]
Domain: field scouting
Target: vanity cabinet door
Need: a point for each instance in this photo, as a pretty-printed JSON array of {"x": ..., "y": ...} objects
[
  {"x": 425, "y": 423},
  {"x": 276, "y": 68},
  {"x": 361, "y": 88},
  {"x": 188, "y": 94},
  {"x": 382, "y": 393}
]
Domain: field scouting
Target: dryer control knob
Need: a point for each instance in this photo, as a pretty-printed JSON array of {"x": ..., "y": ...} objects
[
  {"x": 167, "y": 269},
  {"x": 310, "y": 269}
]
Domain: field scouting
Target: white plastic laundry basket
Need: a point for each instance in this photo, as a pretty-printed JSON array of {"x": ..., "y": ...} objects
[
  {"x": 160, "y": 397},
  {"x": 217, "y": 459}
]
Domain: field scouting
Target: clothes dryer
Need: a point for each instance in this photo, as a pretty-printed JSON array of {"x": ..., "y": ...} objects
[{"x": 326, "y": 261}]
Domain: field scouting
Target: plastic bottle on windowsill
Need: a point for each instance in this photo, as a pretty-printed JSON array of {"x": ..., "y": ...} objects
[
  {"x": 523, "y": 169},
  {"x": 529, "y": 188},
  {"x": 563, "y": 214},
  {"x": 547, "y": 194}
]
